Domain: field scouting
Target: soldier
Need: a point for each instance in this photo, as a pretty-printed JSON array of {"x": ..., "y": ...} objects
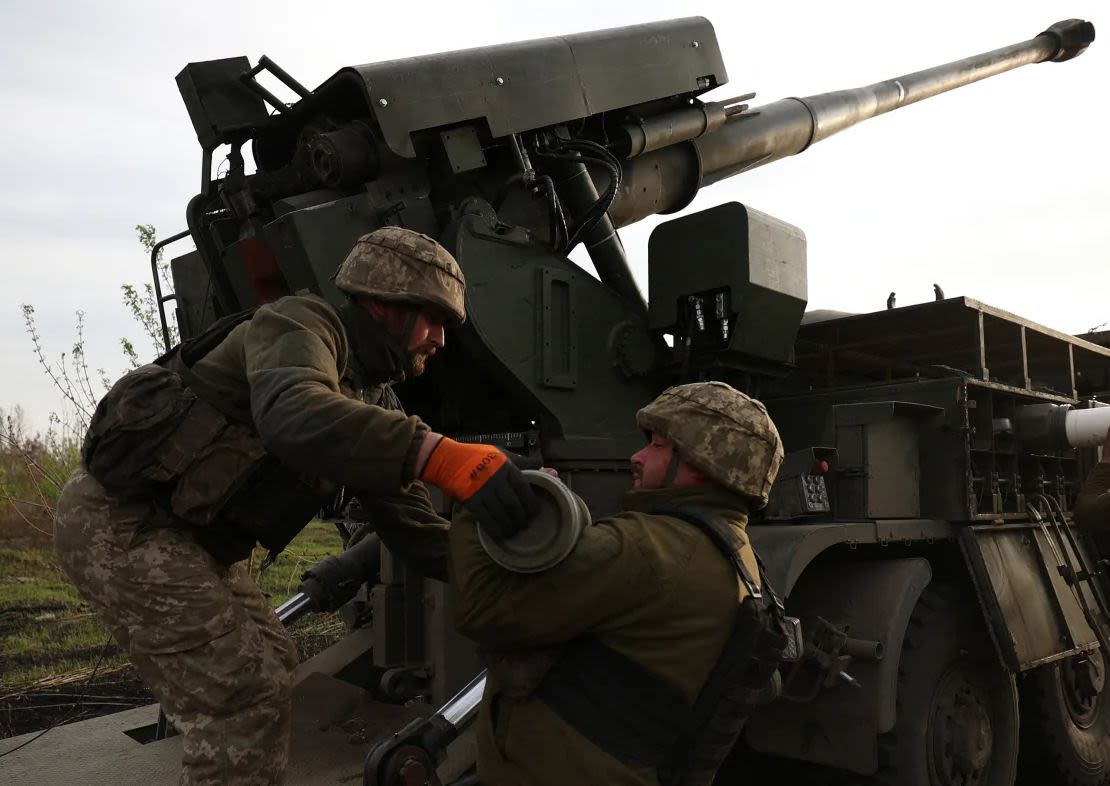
[
  {"x": 600, "y": 668},
  {"x": 238, "y": 437},
  {"x": 1092, "y": 507}
]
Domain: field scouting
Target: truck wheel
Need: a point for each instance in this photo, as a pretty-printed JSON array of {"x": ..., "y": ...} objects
[
  {"x": 957, "y": 722},
  {"x": 1065, "y": 723}
]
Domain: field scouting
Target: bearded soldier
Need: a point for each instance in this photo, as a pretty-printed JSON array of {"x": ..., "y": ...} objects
[
  {"x": 238, "y": 437},
  {"x": 634, "y": 660}
]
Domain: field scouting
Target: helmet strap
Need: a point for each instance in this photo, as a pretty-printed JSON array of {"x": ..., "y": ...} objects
[
  {"x": 410, "y": 325},
  {"x": 379, "y": 355},
  {"x": 672, "y": 469}
]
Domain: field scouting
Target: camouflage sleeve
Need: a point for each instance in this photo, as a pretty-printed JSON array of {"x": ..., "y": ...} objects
[
  {"x": 294, "y": 350},
  {"x": 1092, "y": 506},
  {"x": 608, "y": 574},
  {"x": 409, "y": 527}
]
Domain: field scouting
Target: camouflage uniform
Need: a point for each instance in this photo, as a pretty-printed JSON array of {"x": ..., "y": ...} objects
[
  {"x": 651, "y": 587},
  {"x": 198, "y": 629},
  {"x": 201, "y": 635}
]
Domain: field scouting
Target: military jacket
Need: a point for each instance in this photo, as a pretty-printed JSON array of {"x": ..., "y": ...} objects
[
  {"x": 277, "y": 429},
  {"x": 284, "y": 366},
  {"x": 651, "y": 587}
]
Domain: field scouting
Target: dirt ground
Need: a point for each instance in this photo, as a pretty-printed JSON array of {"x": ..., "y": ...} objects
[
  {"x": 33, "y": 710},
  {"x": 111, "y": 690},
  {"x": 57, "y": 661}
]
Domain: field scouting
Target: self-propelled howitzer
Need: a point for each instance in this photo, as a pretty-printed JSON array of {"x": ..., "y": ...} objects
[
  {"x": 911, "y": 527},
  {"x": 511, "y": 155}
]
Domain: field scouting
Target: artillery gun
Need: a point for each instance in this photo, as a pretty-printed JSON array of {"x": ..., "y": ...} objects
[{"x": 918, "y": 528}]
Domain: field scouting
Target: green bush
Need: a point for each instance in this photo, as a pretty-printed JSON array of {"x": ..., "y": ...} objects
[{"x": 33, "y": 469}]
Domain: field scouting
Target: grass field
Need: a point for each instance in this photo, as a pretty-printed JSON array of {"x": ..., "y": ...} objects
[{"x": 50, "y": 641}]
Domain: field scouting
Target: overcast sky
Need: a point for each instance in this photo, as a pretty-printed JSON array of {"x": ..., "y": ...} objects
[{"x": 999, "y": 191}]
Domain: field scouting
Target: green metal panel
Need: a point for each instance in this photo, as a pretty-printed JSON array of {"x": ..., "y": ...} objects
[
  {"x": 538, "y": 324},
  {"x": 530, "y": 84},
  {"x": 558, "y": 330},
  {"x": 759, "y": 260},
  {"x": 1033, "y": 615}
]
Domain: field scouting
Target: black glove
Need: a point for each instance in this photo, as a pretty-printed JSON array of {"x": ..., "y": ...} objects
[
  {"x": 486, "y": 481},
  {"x": 506, "y": 504},
  {"x": 522, "y": 462},
  {"x": 334, "y": 580}
]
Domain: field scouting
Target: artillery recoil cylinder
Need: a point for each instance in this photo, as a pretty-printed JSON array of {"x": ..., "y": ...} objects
[
  {"x": 1086, "y": 428},
  {"x": 1058, "y": 426},
  {"x": 293, "y": 609}
]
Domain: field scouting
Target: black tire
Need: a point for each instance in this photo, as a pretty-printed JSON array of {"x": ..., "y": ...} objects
[
  {"x": 1065, "y": 723},
  {"x": 957, "y": 721}
]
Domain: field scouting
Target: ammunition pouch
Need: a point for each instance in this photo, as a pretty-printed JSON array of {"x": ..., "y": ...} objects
[
  {"x": 641, "y": 719},
  {"x": 275, "y": 505},
  {"x": 201, "y": 462},
  {"x": 135, "y": 443}
]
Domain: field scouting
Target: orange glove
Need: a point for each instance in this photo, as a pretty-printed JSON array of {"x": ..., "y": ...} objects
[{"x": 486, "y": 482}]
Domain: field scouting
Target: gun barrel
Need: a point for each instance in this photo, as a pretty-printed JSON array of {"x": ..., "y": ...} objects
[
  {"x": 1087, "y": 428},
  {"x": 1055, "y": 426},
  {"x": 667, "y": 179}
]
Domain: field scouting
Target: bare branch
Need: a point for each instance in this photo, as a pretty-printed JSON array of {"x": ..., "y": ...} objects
[
  {"x": 31, "y": 462},
  {"x": 79, "y": 359},
  {"x": 23, "y": 516},
  {"x": 36, "y": 343}
]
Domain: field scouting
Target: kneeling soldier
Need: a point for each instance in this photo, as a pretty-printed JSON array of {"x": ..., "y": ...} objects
[{"x": 637, "y": 658}]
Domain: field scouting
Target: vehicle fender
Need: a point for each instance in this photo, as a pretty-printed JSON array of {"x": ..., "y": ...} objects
[{"x": 868, "y": 600}]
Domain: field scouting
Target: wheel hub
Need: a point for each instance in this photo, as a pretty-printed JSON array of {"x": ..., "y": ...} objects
[
  {"x": 961, "y": 732},
  {"x": 1083, "y": 680}
]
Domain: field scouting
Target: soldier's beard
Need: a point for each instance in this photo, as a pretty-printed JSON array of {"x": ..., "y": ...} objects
[{"x": 419, "y": 360}]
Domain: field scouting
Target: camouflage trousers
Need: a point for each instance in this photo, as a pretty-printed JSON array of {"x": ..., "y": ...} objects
[{"x": 201, "y": 635}]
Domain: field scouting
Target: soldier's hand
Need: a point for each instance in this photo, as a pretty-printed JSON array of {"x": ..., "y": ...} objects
[
  {"x": 522, "y": 462},
  {"x": 334, "y": 580},
  {"x": 528, "y": 462},
  {"x": 326, "y": 586},
  {"x": 486, "y": 482}
]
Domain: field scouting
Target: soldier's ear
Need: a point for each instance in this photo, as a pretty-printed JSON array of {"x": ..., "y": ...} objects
[
  {"x": 375, "y": 308},
  {"x": 688, "y": 475}
]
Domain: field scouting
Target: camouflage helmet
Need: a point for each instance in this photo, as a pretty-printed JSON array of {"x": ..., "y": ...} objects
[
  {"x": 725, "y": 435},
  {"x": 392, "y": 263}
]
